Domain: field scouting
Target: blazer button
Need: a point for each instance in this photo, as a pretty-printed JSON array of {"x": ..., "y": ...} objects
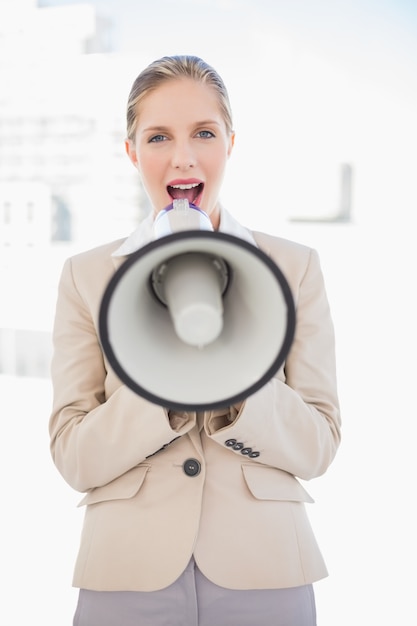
[
  {"x": 230, "y": 443},
  {"x": 238, "y": 446},
  {"x": 192, "y": 467},
  {"x": 246, "y": 451},
  {"x": 254, "y": 455}
]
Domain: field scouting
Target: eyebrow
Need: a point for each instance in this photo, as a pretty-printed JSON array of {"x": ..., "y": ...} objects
[{"x": 166, "y": 128}]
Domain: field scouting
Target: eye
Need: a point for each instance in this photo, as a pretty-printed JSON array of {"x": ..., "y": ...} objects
[
  {"x": 157, "y": 138},
  {"x": 205, "y": 134}
]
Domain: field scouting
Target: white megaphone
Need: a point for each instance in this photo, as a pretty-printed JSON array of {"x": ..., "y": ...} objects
[{"x": 197, "y": 319}]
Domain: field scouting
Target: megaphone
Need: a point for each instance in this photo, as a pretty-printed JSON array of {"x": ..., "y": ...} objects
[{"x": 196, "y": 319}]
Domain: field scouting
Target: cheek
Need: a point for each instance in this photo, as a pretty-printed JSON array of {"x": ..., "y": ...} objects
[
  {"x": 218, "y": 164},
  {"x": 148, "y": 166}
]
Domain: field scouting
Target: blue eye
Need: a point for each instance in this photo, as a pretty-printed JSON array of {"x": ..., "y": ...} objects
[
  {"x": 157, "y": 139},
  {"x": 205, "y": 134}
]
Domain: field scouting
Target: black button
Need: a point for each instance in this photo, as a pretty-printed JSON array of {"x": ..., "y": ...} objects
[
  {"x": 246, "y": 451},
  {"x": 238, "y": 446},
  {"x": 230, "y": 443},
  {"x": 253, "y": 455},
  {"x": 192, "y": 467}
]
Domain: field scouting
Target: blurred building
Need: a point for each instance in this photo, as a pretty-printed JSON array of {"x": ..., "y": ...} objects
[
  {"x": 62, "y": 118},
  {"x": 65, "y": 181}
]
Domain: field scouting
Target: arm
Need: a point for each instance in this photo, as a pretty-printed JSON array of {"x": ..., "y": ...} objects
[
  {"x": 99, "y": 428},
  {"x": 294, "y": 420}
]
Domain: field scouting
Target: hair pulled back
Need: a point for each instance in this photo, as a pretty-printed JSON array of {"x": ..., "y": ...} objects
[{"x": 170, "y": 68}]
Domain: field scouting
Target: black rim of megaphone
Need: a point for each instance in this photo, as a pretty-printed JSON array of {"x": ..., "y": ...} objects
[{"x": 195, "y": 234}]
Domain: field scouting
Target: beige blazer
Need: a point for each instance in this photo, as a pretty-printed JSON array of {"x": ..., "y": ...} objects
[{"x": 242, "y": 518}]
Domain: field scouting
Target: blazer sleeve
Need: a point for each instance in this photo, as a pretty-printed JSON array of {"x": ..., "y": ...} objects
[
  {"x": 99, "y": 429},
  {"x": 294, "y": 420}
]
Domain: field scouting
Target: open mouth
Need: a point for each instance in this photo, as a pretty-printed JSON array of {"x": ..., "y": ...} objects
[{"x": 191, "y": 191}]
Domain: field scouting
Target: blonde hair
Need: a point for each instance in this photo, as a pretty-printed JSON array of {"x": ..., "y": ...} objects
[{"x": 170, "y": 68}]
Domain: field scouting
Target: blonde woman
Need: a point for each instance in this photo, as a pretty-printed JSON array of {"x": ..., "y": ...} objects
[{"x": 226, "y": 542}]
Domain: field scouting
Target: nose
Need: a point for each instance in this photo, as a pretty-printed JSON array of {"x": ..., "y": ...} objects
[{"x": 183, "y": 156}]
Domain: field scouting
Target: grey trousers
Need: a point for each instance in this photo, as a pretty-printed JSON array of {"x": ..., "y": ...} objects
[{"x": 192, "y": 600}]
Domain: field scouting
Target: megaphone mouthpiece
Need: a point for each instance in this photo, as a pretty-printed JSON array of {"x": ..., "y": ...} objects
[{"x": 178, "y": 216}]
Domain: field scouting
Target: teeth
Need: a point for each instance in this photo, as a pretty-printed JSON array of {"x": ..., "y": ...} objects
[{"x": 189, "y": 186}]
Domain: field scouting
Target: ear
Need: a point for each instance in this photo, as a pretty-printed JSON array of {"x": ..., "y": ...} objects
[
  {"x": 131, "y": 151},
  {"x": 231, "y": 143}
]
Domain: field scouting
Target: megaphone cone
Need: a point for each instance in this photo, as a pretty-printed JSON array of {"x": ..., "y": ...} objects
[{"x": 153, "y": 339}]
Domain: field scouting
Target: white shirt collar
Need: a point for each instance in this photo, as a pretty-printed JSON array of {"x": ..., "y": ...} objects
[
  {"x": 228, "y": 224},
  {"x": 144, "y": 233}
]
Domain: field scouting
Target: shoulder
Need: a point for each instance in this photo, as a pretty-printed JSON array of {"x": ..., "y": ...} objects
[
  {"x": 89, "y": 271},
  {"x": 299, "y": 263},
  {"x": 98, "y": 253},
  {"x": 94, "y": 261},
  {"x": 284, "y": 249}
]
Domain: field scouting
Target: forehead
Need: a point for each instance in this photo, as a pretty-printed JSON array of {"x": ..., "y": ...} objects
[{"x": 177, "y": 101}]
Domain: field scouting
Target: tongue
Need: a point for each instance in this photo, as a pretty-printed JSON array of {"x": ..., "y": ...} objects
[{"x": 177, "y": 194}]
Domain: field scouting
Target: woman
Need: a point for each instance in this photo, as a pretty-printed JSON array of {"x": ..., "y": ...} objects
[{"x": 229, "y": 542}]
